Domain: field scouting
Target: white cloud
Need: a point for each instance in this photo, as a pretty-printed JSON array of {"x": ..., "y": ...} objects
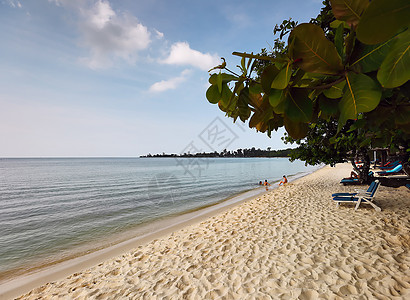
[
  {"x": 182, "y": 54},
  {"x": 159, "y": 34},
  {"x": 170, "y": 84},
  {"x": 14, "y": 3},
  {"x": 106, "y": 34},
  {"x": 109, "y": 35},
  {"x": 100, "y": 15},
  {"x": 71, "y": 3}
]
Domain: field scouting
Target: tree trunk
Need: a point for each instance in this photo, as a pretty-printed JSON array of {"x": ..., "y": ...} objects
[
  {"x": 365, "y": 169},
  {"x": 363, "y": 172},
  {"x": 406, "y": 168}
]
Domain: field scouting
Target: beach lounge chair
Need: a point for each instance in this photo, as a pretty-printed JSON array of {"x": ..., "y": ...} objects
[
  {"x": 390, "y": 165},
  {"x": 398, "y": 169},
  {"x": 359, "y": 197},
  {"x": 347, "y": 181},
  {"x": 369, "y": 191}
]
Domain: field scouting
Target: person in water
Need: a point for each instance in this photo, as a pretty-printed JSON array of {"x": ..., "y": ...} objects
[
  {"x": 284, "y": 180},
  {"x": 266, "y": 184}
]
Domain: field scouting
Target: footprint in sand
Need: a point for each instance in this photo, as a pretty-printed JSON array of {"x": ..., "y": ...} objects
[
  {"x": 347, "y": 290},
  {"x": 308, "y": 295}
]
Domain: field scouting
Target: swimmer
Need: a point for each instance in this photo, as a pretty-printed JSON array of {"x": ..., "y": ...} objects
[{"x": 266, "y": 184}]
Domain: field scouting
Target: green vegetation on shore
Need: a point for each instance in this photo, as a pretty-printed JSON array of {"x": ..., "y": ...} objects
[{"x": 252, "y": 152}]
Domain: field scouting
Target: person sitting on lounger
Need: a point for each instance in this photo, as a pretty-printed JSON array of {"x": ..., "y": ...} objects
[
  {"x": 353, "y": 174},
  {"x": 284, "y": 180}
]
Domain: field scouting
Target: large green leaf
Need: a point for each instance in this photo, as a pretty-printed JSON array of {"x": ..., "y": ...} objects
[
  {"x": 336, "y": 23},
  {"x": 268, "y": 75},
  {"x": 336, "y": 91},
  {"x": 213, "y": 79},
  {"x": 213, "y": 95},
  {"x": 372, "y": 56},
  {"x": 239, "y": 86},
  {"x": 276, "y": 122},
  {"x": 281, "y": 107},
  {"x": 349, "y": 10},
  {"x": 219, "y": 78},
  {"x": 395, "y": 69},
  {"x": 255, "y": 87},
  {"x": 228, "y": 106},
  {"x": 276, "y": 97},
  {"x": 328, "y": 107},
  {"x": 378, "y": 116},
  {"x": 225, "y": 94},
  {"x": 244, "y": 97},
  {"x": 297, "y": 79},
  {"x": 402, "y": 115},
  {"x": 299, "y": 107},
  {"x": 244, "y": 111},
  {"x": 382, "y": 20},
  {"x": 312, "y": 52},
  {"x": 281, "y": 80},
  {"x": 296, "y": 130},
  {"x": 350, "y": 42},
  {"x": 267, "y": 109},
  {"x": 361, "y": 94},
  {"x": 262, "y": 115},
  {"x": 339, "y": 41}
]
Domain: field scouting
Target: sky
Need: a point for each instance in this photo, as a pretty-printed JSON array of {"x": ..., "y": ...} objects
[{"x": 85, "y": 78}]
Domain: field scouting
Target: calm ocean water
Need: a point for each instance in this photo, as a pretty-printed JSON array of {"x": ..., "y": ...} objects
[{"x": 51, "y": 207}]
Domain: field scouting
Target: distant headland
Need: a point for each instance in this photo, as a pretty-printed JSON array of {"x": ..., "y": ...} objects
[{"x": 252, "y": 152}]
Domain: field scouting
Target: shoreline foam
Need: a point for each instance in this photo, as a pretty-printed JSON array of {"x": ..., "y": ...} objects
[{"x": 290, "y": 242}]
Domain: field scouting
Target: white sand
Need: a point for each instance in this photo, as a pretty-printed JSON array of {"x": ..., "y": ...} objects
[{"x": 292, "y": 243}]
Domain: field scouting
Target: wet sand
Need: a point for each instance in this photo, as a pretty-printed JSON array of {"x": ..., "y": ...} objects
[{"x": 290, "y": 243}]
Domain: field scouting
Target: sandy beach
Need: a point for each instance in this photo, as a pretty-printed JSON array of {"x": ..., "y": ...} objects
[{"x": 291, "y": 243}]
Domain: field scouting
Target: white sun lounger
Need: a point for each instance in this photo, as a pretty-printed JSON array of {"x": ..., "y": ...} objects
[{"x": 365, "y": 197}]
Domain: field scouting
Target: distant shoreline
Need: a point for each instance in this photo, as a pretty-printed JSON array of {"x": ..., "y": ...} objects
[
  {"x": 239, "y": 153},
  {"x": 195, "y": 156}
]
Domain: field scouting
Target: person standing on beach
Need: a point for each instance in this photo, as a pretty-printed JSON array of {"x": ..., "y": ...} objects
[
  {"x": 284, "y": 180},
  {"x": 266, "y": 184}
]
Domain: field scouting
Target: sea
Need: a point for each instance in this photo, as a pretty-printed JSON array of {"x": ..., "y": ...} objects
[{"x": 54, "y": 209}]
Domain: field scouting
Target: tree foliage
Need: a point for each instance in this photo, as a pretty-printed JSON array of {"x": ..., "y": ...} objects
[
  {"x": 340, "y": 81},
  {"x": 251, "y": 152}
]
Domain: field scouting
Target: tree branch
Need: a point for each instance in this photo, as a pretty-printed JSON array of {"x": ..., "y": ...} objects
[
  {"x": 255, "y": 56},
  {"x": 326, "y": 86},
  {"x": 232, "y": 72}
]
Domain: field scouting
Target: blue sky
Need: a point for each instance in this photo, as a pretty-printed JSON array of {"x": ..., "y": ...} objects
[{"x": 125, "y": 78}]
